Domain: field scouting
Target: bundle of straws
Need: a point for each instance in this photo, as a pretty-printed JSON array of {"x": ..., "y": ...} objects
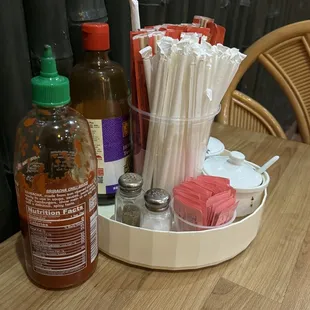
[
  {"x": 180, "y": 74},
  {"x": 186, "y": 81}
]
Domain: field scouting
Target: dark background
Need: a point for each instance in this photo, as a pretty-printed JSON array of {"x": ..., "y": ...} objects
[{"x": 27, "y": 25}]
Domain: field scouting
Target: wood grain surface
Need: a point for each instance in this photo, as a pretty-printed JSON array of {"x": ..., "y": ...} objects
[{"x": 273, "y": 273}]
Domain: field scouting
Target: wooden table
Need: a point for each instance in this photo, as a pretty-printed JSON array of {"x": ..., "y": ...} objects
[{"x": 273, "y": 273}]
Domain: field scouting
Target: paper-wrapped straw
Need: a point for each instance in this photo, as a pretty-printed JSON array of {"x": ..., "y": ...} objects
[
  {"x": 135, "y": 16},
  {"x": 171, "y": 143},
  {"x": 146, "y": 54},
  {"x": 154, "y": 37},
  {"x": 151, "y": 149},
  {"x": 150, "y": 60},
  {"x": 161, "y": 124},
  {"x": 192, "y": 96}
]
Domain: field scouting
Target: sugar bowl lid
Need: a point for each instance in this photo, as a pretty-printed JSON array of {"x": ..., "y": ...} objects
[{"x": 241, "y": 174}]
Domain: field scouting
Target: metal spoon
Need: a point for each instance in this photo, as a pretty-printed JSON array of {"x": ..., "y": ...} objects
[{"x": 268, "y": 164}]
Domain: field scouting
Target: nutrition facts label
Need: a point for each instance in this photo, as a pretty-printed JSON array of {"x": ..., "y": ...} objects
[{"x": 58, "y": 229}]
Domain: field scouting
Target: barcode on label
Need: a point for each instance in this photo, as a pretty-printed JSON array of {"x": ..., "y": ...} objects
[
  {"x": 100, "y": 180},
  {"x": 92, "y": 202},
  {"x": 93, "y": 237}
]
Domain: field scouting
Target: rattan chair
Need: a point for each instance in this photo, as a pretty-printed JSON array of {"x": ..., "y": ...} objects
[{"x": 285, "y": 53}]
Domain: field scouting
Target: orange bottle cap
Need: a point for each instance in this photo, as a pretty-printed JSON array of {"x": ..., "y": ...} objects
[{"x": 96, "y": 36}]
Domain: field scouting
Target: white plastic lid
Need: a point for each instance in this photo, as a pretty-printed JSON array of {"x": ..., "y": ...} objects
[
  {"x": 234, "y": 168},
  {"x": 215, "y": 147}
]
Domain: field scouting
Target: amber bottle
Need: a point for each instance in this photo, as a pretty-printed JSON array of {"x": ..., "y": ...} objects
[{"x": 99, "y": 91}]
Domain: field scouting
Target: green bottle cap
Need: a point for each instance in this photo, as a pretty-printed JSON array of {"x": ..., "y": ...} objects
[{"x": 49, "y": 89}]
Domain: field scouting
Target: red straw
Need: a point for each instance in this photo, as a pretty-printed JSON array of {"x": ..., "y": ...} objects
[{"x": 139, "y": 90}]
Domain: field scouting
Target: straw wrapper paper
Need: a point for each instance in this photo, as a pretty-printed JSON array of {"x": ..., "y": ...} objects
[{"x": 135, "y": 16}]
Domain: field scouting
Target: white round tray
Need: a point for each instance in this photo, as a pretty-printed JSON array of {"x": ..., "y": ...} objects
[{"x": 175, "y": 250}]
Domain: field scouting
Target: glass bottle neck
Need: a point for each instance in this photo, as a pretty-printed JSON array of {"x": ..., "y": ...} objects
[{"x": 96, "y": 56}]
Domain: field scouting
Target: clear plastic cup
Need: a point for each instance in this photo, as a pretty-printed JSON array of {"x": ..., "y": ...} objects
[
  {"x": 183, "y": 225},
  {"x": 168, "y": 150}
]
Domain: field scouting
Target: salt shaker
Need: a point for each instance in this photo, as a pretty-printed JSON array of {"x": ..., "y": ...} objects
[
  {"x": 129, "y": 199},
  {"x": 156, "y": 214}
]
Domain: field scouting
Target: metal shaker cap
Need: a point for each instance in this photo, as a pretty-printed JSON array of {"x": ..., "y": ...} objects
[
  {"x": 130, "y": 183},
  {"x": 157, "y": 200}
]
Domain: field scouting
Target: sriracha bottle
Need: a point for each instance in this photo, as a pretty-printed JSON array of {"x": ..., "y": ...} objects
[{"x": 55, "y": 176}]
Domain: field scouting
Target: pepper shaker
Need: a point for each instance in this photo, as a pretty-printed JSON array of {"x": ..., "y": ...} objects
[
  {"x": 156, "y": 214},
  {"x": 129, "y": 199}
]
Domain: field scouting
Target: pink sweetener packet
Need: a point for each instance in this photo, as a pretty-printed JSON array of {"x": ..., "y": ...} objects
[
  {"x": 216, "y": 184},
  {"x": 203, "y": 193},
  {"x": 222, "y": 200},
  {"x": 198, "y": 191},
  {"x": 196, "y": 198},
  {"x": 178, "y": 207},
  {"x": 221, "y": 208},
  {"x": 211, "y": 202},
  {"x": 185, "y": 191},
  {"x": 212, "y": 179},
  {"x": 192, "y": 209},
  {"x": 217, "y": 202},
  {"x": 216, "y": 188},
  {"x": 199, "y": 186},
  {"x": 194, "y": 202},
  {"x": 226, "y": 215}
]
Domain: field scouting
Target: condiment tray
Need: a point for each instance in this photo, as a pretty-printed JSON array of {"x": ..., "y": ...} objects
[{"x": 176, "y": 250}]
